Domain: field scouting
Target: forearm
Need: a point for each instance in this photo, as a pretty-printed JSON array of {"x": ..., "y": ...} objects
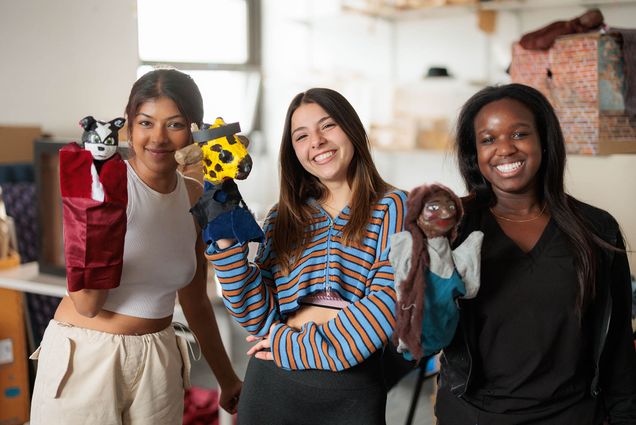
[
  {"x": 89, "y": 302},
  {"x": 357, "y": 332},
  {"x": 202, "y": 322},
  {"x": 246, "y": 295}
]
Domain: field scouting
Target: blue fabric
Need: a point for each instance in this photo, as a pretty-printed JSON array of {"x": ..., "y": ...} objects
[
  {"x": 238, "y": 224},
  {"x": 222, "y": 214},
  {"x": 441, "y": 314}
]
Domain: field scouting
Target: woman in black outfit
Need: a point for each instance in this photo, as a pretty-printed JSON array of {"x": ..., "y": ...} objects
[{"x": 548, "y": 339}]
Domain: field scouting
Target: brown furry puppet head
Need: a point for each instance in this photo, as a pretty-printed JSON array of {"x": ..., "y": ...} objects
[{"x": 410, "y": 308}]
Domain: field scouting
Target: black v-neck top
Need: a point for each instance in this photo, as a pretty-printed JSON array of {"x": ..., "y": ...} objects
[{"x": 531, "y": 351}]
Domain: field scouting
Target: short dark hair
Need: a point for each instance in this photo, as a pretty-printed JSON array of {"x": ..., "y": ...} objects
[{"x": 171, "y": 83}]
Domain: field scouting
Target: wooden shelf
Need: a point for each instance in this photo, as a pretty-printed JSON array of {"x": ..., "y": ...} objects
[{"x": 389, "y": 11}]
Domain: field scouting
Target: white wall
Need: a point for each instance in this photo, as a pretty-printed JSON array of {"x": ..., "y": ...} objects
[
  {"x": 64, "y": 59},
  {"x": 608, "y": 182}
]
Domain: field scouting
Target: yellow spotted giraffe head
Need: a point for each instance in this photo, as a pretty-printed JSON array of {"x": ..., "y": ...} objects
[{"x": 225, "y": 153}]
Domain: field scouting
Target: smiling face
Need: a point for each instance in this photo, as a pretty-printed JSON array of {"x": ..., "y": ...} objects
[
  {"x": 158, "y": 130},
  {"x": 439, "y": 215},
  {"x": 321, "y": 146},
  {"x": 508, "y": 147}
]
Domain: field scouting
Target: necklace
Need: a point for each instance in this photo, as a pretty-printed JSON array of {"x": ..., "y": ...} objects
[{"x": 520, "y": 221}]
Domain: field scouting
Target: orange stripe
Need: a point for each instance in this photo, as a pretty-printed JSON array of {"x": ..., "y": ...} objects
[
  {"x": 385, "y": 311},
  {"x": 351, "y": 343},
  {"x": 290, "y": 353},
  {"x": 345, "y": 271},
  {"x": 237, "y": 278},
  {"x": 239, "y": 304},
  {"x": 337, "y": 346},
  {"x": 325, "y": 349},
  {"x": 302, "y": 273},
  {"x": 276, "y": 345},
  {"x": 360, "y": 329},
  {"x": 348, "y": 287},
  {"x": 294, "y": 296},
  {"x": 352, "y": 258},
  {"x": 301, "y": 346},
  {"x": 314, "y": 349},
  {"x": 372, "y": 320}
]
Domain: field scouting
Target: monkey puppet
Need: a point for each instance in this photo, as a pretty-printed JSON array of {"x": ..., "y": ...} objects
[
  {"x": 221, "y": 211},
  {"x": 93, "y": 182},
  {"x": 429, "y": 276}
]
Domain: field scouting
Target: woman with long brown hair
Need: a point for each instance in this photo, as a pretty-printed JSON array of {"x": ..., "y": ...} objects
[{"x": 319, "y": 299}]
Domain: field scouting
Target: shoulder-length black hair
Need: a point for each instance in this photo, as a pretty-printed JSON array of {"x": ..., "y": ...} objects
[{"x": 550, "y": 188}]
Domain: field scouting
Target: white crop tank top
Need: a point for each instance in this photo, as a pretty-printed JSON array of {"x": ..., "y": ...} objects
[{"x": 159, "y": 253}]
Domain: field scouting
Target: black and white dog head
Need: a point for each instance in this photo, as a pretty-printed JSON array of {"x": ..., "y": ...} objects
[{"x": 100, "y": 138}]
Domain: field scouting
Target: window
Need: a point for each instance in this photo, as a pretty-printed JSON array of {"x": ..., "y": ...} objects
[{"x": 216, "y": 42}]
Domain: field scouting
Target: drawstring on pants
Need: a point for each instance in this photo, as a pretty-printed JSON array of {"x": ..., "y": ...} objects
[{"x": 178, "y": 326}]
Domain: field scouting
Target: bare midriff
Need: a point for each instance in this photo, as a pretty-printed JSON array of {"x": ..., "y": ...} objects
[
  {"x": 107, "y": 321},
  {"x": 311, "y": 313}
]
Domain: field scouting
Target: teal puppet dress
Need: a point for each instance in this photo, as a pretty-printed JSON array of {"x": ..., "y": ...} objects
[{"x": 451, "y": 274}]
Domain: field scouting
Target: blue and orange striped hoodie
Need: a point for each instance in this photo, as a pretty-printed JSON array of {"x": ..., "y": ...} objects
[{"x": 259, "y": 295}]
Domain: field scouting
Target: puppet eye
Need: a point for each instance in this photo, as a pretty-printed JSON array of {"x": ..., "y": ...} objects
[
  {"x": 451, "y": 207},
  {"x": 109, "y": 141},
  {"x": 93, "y": 138},
  {"x": 432, "y": 207}
]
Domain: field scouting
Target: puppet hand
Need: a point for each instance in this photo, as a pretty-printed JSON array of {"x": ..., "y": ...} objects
[
  {"x": 262, "y": 349},
  {"x": 189, "y": 155},
  {"x": 467, "y": 259},
  {"x": 229, "y": 397}
]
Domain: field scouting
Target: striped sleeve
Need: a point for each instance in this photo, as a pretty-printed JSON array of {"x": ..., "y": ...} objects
[
  {"x": 358, "y": 330},
  {"x": 248, "y": 289}
]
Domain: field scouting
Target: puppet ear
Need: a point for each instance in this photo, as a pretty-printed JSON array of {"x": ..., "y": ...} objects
[
  {"x": 87, "y": 122},
  {"x": 244, "y": 140},
  {"x": 118, "y": 122}
]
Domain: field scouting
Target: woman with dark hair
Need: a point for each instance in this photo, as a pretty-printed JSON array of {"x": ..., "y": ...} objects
[
  {"x": 548, "y": 338},
  {"x": 319, "y": 299},
  {"x": 112, "y": 356}
]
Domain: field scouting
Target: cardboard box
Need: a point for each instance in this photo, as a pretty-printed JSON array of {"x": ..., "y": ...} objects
[
  {"x": 14, "y": 375},
  {"x": 16, "y": 143}
]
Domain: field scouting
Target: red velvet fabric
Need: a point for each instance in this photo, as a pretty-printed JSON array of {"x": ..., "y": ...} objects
[
  {"x": 94, "y": 231},
  {"x": 201, "y": 406}
]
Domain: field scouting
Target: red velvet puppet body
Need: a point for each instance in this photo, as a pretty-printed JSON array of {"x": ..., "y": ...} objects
[{"x": 94, "y": 229}]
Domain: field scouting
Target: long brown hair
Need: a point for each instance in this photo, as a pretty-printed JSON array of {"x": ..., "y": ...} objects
[
  {"x": 297, "y": 185},
  {"x": 410, "y": 308}
]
